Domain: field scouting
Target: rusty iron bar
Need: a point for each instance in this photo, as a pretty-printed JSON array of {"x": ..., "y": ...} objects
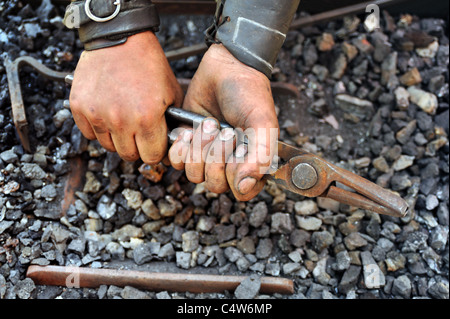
[
  {"x": 73, "y": 182},
  {"x": 153, "y": 281},
  {"x": 339, "y": 13},
  {"x": 186, "y": 52},
  {"x": 356, "y": 200},
  {"x": 205, "y": 7},
  {"x": 15, "y": 92}
]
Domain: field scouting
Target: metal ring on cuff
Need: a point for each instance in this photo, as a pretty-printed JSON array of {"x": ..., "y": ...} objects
[{"x": 97, "y": 19}]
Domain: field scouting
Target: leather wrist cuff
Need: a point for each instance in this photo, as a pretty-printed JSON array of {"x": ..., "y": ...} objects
[
  {"x": 253, "y": 30},
  {"x": 105, "y": 23}
]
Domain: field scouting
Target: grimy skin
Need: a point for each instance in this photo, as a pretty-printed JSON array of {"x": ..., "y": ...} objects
[{"x": 119, "y": 96}]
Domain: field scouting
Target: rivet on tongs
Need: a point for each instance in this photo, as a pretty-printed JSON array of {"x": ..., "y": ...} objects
[{"x": 304, "y": 176}]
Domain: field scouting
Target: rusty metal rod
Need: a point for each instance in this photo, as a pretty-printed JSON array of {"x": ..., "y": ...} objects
[
  {"x": 186, "y": 52},
  {"x": 338, "y": 13},
  {"x": 153, "y": 281},
  {"x": 15, "y": 92},
  {"x": 357, "y": 200}
]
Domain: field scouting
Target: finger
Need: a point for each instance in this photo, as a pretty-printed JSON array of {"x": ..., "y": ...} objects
[
  {"x": 125, "y": 146},
  {"x": 221, "y": 149},
  {"x": 248, "y": 186},
  {"x": 245, "y": 173},
  {"x": 151, "y": 142},
  {"x": 180, "y": 148},
  {"x": 84, "y": 126},
  {"x": 204, "y": 135},
  {"x": 104, "y": 138}
]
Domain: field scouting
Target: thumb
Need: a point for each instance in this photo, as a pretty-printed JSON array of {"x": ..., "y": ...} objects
[{"x": 245, "y": 170}]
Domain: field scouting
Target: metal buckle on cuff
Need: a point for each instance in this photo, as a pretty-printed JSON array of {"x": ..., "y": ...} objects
[{"x": 97, "y": 19}]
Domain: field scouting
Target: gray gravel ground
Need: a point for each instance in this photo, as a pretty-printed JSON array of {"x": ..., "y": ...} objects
[{"x": 373, "y": 102}]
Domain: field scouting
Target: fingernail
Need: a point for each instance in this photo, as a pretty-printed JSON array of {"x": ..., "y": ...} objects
[
  {"x": 227, "y": 134},
  {"x": 209, "y": 126},
  {"x": 246, "y": 185},
  {"x": 241, "y": 150},
  {"x": 187, "y": 136}
]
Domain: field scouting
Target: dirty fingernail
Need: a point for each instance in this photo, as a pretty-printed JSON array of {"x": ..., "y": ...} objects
[
  {"x": 187, "y": 136},
  {"x": 241, "y": 150},
  {"x": 209, "y": 126},
  {"x": 227, "y": 134},
  {"x": 246, "y": 185}
]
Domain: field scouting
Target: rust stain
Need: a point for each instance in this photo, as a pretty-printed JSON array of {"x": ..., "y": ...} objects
[{"x": 74, "y": 182}]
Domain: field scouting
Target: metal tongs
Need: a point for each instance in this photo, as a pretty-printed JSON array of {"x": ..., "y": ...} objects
[{"x": 311, "y": 176}]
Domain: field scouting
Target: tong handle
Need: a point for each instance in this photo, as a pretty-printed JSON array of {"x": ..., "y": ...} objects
[{"x": 383, "y": 200}]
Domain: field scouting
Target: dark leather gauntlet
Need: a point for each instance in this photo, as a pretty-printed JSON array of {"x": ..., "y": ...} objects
[
  {"x": 105, "y": 23},
  {"x": 253, "y": 30}
]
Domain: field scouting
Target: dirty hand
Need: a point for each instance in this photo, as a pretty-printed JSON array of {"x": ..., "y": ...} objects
[
  {"x": 119, "y": 96},
  {"x": 228, "y": 90}
]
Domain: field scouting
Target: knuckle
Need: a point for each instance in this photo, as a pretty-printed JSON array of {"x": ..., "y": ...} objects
[
  {"x": 153, "y": 158},
  {"x": 97, "y": 123},
  {"x": 75, "y": 103},
  {"x": 144, "y": 120},
  {"x": 129, "y": 157},
  {"x": 115, "y": 119}
]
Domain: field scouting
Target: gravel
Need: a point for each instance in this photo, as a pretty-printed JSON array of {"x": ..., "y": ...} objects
[{"x": 387, "y": 91}]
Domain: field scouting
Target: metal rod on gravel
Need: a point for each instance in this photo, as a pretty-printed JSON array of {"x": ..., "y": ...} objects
[{"x": 174, "y": 282}]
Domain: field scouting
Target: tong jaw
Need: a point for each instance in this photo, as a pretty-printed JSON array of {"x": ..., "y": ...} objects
[{"x": 311, "y": 176}]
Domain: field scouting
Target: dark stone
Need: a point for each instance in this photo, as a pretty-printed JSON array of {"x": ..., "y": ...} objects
[
  {"x": 373, "y": 228},
  {"x": 424, "y": 121},
  {"x": 428, "y": 186},
  {"x": 402, "y": 287},
  {"x": 224, "y": 232},
  {"x": 299, "y": 237},
  {"x": 349, "y": 279},
  {"x": 146, "y": 252},
  {"x": 48, "y": 292},
  {"x": 310, "y": 54},
  {"x": 248, "y": 288},
  {"x": 442, "y": 120},
  {"x": 321, "y": 240},
  {"x": 400, "y": 182},
  {"x": 431, "y": 170},
  {"x": 264, "y": 248}
]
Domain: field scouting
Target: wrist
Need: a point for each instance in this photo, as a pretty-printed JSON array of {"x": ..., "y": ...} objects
[
  {"x": 106, "y": 23},
  {"x": 253, "y": 30},
  {"x": 218, "y": 52},
  {"x": 138, "y": 46}
]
